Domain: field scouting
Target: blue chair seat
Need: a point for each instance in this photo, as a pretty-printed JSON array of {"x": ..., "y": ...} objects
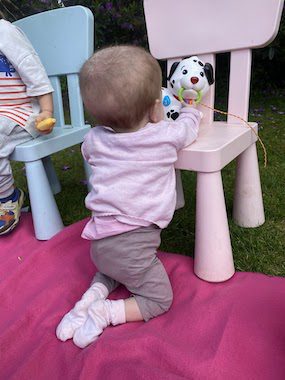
[{"x": 59, "y": 139}]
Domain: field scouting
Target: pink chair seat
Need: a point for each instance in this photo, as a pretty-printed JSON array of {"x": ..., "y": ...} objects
[{"x": 218, "y": 144}]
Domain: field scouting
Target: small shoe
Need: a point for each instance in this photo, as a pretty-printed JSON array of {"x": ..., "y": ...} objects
[{"x": 10, "y": 211}]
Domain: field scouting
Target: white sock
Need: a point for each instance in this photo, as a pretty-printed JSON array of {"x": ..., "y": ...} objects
[
  {"x": 100, "y": 315},
  {"x": 78, "y": 315}
]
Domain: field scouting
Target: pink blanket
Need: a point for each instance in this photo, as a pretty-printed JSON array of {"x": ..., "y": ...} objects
[{"x": 232, "y": 330}]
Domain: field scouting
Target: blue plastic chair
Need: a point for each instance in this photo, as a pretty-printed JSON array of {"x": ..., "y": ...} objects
[{"x": 64, "y": 40}]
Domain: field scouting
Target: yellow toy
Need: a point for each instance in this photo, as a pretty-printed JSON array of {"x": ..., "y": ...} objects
[{"x": 46, "y": 124}]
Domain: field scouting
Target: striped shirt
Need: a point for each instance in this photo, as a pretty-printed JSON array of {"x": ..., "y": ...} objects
[
  {"x": 14, "y": 101},
  {"x": 22, "y": 78}
]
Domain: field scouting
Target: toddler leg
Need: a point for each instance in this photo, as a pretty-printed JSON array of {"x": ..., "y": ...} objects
[
  {"x": 152, "y": 292},
  {"x": 133, "y": 262},
  {"x": 11, "y": 135},
  {"x": 138, "y": 268},
  {"x": 11, "y": 199},
  {"x": 153, "y": 297}
]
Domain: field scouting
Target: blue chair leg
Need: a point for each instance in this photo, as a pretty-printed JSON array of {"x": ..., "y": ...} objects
[
  {"x": 46, "y": 217},
  {"x": 51, "y": 174}
]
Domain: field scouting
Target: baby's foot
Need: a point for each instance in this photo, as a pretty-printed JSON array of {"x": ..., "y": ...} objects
[
  {"x": 100, "y": 315},
  {"x": 10, "y": 211},
  {"x": 78, "y": 315}
]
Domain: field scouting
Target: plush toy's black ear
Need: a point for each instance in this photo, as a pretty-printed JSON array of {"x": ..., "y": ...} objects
[
  {"x": 172, "y": 69},
  {"x": 209, "y": 72}
]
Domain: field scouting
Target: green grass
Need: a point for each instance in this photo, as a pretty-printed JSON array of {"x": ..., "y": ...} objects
[{"x": 259, "y": 249}]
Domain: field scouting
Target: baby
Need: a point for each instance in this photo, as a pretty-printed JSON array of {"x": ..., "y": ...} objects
[
  {"x": 25, "y": 99},
  {"x": 132, "y": 155}
]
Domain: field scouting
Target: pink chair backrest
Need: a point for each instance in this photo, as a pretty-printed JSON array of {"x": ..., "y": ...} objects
[{"x": 179, "y": 28}]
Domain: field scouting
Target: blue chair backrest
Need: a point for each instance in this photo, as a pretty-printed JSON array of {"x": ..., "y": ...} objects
[{"x": 64, "y": 40}]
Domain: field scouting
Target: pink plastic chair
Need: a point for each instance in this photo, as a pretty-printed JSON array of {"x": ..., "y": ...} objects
[{"x": 178, "y": 29}]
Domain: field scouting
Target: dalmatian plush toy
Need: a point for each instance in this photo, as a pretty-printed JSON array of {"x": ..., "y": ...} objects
[
  {"x": 171, "y": 105},
  {"x": 189, "y": 80}
]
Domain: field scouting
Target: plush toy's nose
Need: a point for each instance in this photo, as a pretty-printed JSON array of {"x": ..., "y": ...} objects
[{"x": 194, "y": 80}]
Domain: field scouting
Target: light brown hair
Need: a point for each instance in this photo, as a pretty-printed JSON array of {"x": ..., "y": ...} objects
[{"x": 120, "y": 84}]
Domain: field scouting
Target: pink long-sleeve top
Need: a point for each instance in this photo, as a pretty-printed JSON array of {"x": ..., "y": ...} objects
[{"x": 133, "y": 175}]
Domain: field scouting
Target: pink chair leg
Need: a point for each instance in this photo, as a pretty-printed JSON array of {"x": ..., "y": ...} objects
[
  {"x": 248, "y": 204},
  {"x": 213, "y": 252}
]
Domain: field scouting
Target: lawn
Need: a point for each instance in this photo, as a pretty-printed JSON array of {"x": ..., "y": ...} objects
[{"x": 258, "y": 250}]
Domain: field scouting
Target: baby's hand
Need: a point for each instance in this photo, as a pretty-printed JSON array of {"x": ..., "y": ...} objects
[{"x": 44, "y": 122}]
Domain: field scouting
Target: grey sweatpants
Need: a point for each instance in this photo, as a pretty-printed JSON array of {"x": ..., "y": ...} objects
[
  {"x": 11, "y": 135},
  {"x": 130, "y": 259}
]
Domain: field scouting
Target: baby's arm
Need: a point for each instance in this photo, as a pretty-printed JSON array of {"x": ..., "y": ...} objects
[{"x": 186, "y": 127}]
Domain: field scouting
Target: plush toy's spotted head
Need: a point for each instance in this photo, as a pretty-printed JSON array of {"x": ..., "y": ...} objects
[{"x": 190, "y": 77}]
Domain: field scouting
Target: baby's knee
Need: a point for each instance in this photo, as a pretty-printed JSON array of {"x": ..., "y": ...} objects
[
  {"x": 155, "y": 305},
  {"x": 166, "y": 302}
]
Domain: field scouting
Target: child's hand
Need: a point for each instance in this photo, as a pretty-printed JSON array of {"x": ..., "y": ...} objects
[{"x": 45, "y": 128}]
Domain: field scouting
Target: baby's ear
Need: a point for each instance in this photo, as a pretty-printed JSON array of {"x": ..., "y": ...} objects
[{"x": 156, "y": 112}]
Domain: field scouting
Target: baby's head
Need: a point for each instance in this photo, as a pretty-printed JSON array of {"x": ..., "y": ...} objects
[{"x": 121, "y": 87}]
